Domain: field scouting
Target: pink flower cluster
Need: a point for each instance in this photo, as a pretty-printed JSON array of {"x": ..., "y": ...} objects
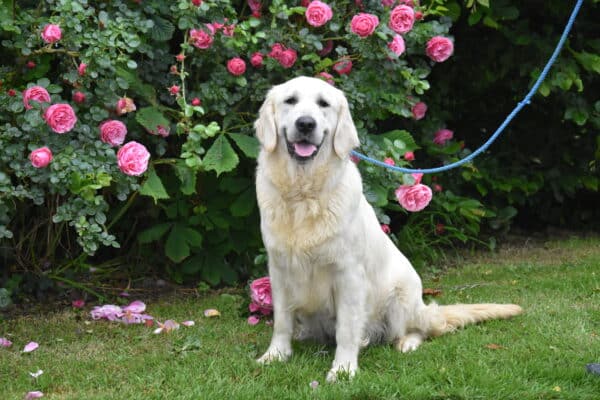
[
  {"x": 261, "y": 300},
  {"x": 285, "y": 56},
  {"x": 131, "y": 314},
  {"x": 414, "y": 197}
]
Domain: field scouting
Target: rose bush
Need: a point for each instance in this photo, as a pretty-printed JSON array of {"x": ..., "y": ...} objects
[{"x": 184, "y": 80}]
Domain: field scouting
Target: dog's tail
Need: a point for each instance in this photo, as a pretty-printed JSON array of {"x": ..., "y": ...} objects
[{"x": 444, "y": 319}]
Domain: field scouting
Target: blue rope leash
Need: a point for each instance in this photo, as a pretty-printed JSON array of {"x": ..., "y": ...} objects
[{"x": 508, "y": 119}]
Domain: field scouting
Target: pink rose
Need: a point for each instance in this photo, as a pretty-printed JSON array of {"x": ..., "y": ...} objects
[
  {"x": 287, "y": 58},
  {"x": 318, "y": 13},
  {"x": 327, "y": 77},
  {"x": 437, "y": 187},
  {"x": 30, "y": 64},
  {"x": 174, "y": 90},
  {"x": 180, "y": 57},
  {"x": 256, "y": 59},
  {"x": 196, "y": 102},
  {"x": 255, "y": 6},
  {"x": 442, "y": 136},
  {"x": 202, "y": 39},
  {"x": 228, "y": 30},
  {"x": 276, "y": 50},
  {"x": 402, "y": 19},
  {"x": 113, "y": 132},
  {"x": 125, "y": 105},
  {"x": 419, "y": 110},
  {"x": 397, "y": 45},
  {"x": 439, "y": 48},
  {"x": 343, "y": 67},
  {"x": 236, "y": 66},
  {"x": 197, "y": 3},
  {"x": 389, "y": 161},
  {"x": 79, "y": 97},
  {"x": 60, "y": 117},
  {"x": 51, "y": 33},
  {"x": 41, "y": 157},
  {"x": 409, "y": 156},
  {"x": 260, "y": 294},
  {"x": 387, "y": 3},
  {"x": 133, "y": 158},
  {"x": 364, "y": 24},
  {"x": 81, "y": 69},
  {"x": 386, "y": 229},
  {"x": 4, "y": 342},
  {"x": 36, "y": 93},
  {"x": 415, "y": 197}
]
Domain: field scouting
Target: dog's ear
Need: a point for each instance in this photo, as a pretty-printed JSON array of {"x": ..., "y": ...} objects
[
  {"x": 266, "y": 129},
  {"x": 345, "y": 137}
]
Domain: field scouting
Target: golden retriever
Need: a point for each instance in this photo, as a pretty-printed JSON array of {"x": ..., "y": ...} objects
[{"x": 335, "y": 275}]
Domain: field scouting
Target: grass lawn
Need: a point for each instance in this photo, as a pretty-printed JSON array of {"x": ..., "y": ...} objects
[{"x": 539, "y": 355}]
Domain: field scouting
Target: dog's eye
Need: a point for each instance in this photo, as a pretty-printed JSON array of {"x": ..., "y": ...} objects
[
  {"x": 291, "y": 100},
  {"x": 322, "y": 103}
]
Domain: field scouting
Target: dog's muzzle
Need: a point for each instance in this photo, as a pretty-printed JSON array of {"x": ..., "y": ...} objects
[{"x": 302, "y": 147}]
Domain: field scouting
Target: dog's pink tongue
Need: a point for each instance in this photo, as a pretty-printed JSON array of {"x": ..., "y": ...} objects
[{"x": 304, "y": 149}]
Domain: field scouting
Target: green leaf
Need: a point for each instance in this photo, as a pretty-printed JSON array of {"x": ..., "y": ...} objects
[
  {"x": 176, "y": 246},
  {"x": 403, "y": 136},
  {"x": 589, "y": 61},
  {"x": 248, "y": 144},
  {"x": 244, "y": 204},
  {"x": 151, "y": 118},
  {"x": 193, "y": 237},
  {"x": 162, "y": 30},
  {"x": 220, "y": 157},
  {"x": 154, "y": 187},
  {"x": 187, "y": 176},
  {"x": 153, "y": 234}
]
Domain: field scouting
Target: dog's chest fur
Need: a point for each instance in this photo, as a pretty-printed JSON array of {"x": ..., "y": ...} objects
[{"x": 299, "y": 213}]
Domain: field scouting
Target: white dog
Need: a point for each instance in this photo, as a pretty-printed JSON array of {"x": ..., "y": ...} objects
[{"x": 334, "y": 274}]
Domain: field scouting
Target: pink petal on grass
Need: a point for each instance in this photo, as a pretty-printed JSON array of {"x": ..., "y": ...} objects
[
  {"x": 211, "y": 312},
  {"x": 31, "y": 346},
  {"x": 135, "y": 307},
  {"x": 253, "y": 320},
  {"x": 34, "y": 395},
  {"x": 314, "y": 384},
  {"x": 188, "y": 323},
  {"x": 4, "y": 342},
  {"x": 168, "y": 326}
]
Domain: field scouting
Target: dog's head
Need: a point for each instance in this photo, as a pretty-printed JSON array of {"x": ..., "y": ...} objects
[{"x": 307, "y": 118}]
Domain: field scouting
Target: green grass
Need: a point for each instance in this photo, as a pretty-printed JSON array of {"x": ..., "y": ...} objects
[{"x": 539, "y": 355}]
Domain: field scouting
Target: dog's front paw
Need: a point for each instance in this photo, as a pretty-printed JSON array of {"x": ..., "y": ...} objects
[
  {"x": 274, "y": 355},
  {"x": 341, "y": 371},
  {"x": 410, "y": 342}
]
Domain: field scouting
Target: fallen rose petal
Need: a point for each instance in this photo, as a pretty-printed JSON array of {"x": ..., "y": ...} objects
[
  {"x": 37, "y": 373},
  {"x": 211, "y": 312},
  {"x": 136, "y": 306},
  {"x": 170, "y": 325},
  {"x": 314, "y": 384},
  {"x": 188, "y": 323},
  {"x": 34, "y": 395},
  {"x": 253, "y": 320},
  {"x": 124, "y": 294},
  {"x": 31, "y": 346},
  {"x": 4, "y": 342},
  {"x": 157, "y": 331}
]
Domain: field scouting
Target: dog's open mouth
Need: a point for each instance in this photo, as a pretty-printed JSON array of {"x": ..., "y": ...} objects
[{"x": 302, "y": 150}]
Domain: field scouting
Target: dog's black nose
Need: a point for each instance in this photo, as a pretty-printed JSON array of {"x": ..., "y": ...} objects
[{"x": 306, "y": 124}]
